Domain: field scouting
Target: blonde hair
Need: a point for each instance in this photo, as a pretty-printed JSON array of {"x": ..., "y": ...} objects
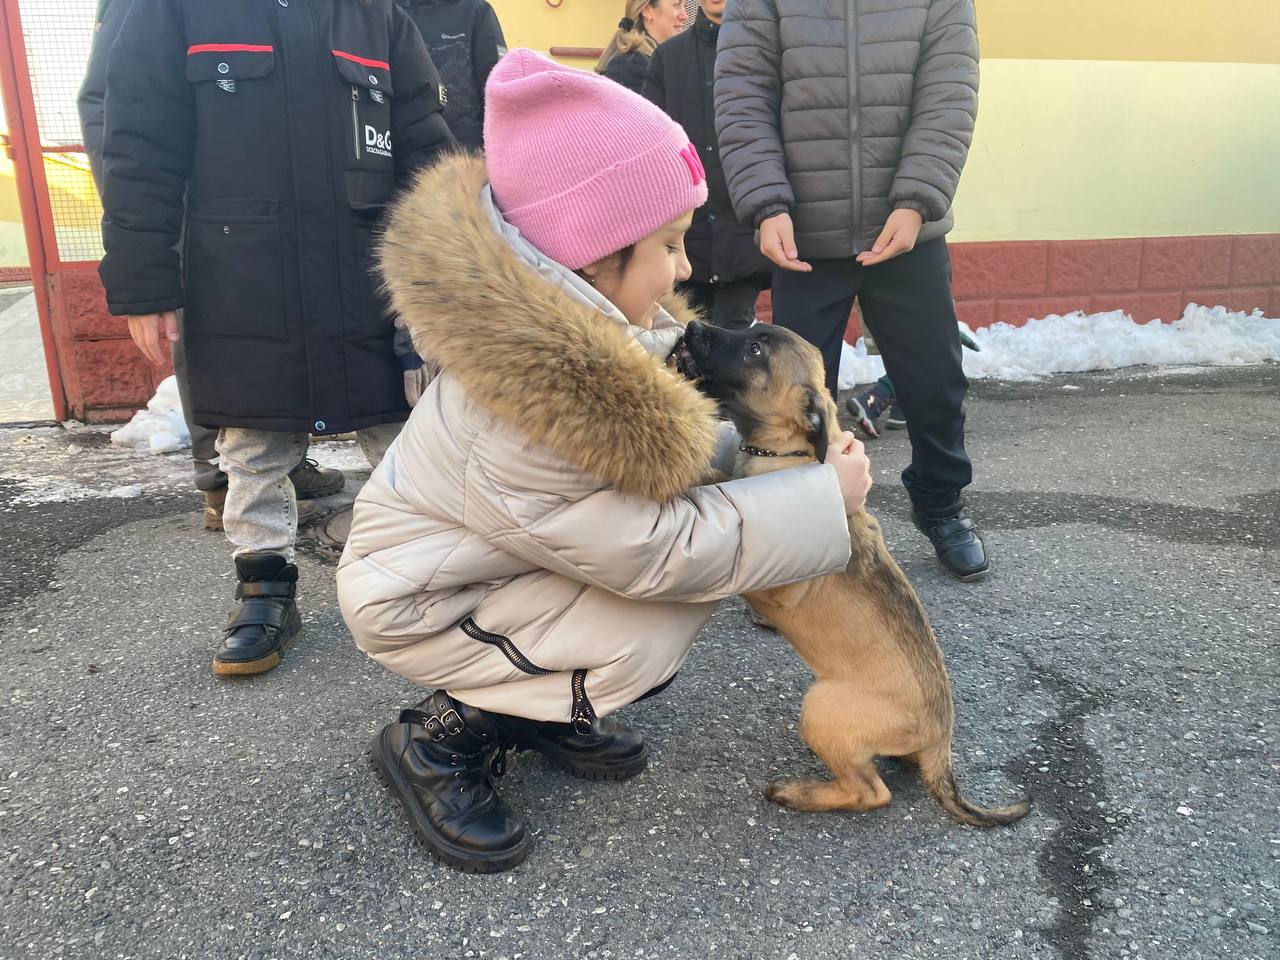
[{"x": 625, "y": 41}]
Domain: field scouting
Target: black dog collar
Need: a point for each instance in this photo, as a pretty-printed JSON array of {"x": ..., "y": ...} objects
[{"x": 761, "y": 452}]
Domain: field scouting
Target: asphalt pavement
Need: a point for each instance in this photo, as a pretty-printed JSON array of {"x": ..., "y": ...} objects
[{"x": 1120, "y": 666}]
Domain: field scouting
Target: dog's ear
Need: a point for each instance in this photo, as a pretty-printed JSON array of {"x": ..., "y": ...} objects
[{"x": 816, "y": 418}]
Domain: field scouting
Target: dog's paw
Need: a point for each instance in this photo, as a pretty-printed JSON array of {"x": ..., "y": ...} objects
[{"x": 789, "y": 792}]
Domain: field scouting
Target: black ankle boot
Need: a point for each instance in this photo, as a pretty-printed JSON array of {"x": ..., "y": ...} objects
[
  {"x": 436, "y": 760},
  {"x": 592, "y": 749},
  {"x": 955, "y": 539},
  {"x": 265, "y": 620}
]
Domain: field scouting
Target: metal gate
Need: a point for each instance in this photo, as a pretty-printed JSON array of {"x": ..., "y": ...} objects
[{"x": 95, "y": 372}]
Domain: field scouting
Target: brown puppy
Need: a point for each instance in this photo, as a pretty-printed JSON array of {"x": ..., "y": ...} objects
[{"x": 882, "y": 687}]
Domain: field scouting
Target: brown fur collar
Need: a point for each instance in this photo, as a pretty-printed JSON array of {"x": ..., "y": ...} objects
[{"x": 549, "y": 365}]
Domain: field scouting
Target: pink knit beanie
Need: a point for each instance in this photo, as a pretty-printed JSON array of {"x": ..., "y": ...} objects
[{"x": 579, "y": 164}]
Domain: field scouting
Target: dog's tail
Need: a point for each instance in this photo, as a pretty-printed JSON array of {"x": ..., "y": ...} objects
[{"x": 935, "y": 768}]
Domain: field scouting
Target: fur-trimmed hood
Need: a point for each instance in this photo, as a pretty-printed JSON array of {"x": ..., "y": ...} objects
[{"x": 533, "y": 343}]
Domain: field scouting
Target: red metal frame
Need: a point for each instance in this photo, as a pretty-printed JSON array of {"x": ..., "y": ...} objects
[{"x": 33, "y": 189}]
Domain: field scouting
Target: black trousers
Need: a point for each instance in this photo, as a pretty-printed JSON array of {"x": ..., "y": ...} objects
[
  {"x": 731, "y": 305},
  {"x": 906, "y": 302}
]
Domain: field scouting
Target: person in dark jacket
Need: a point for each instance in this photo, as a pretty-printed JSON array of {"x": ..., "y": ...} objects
[
  {"x": 270, "y": 137},
  {"x": 843, "y": 126},
  {"x": 309, "y": 479},
  {"x": 465, "y": 41},
  {"x": 728, "y": 269},
  {"x": 644, "y": 25}
]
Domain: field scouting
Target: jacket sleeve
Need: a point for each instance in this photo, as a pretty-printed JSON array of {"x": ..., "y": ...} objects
[
  {"x": 655, "y": 88},
  {"x": 944, "y": 107},
  {"x": 417, "y": 113},
  {"x": 487, "y": 47},
  {"x": 748, "y": 97},
  {"x": 93, "y": 91},
  {"x": 710, "y": 543},
  {"x": 147, "y": 146},
  {"x": 628, "y": 70}
]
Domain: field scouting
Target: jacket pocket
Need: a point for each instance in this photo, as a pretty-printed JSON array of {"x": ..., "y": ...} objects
[
  {"x": 368, "y": 134},
  {"x": 235, "y": 270},
  {"x": 227, "y": 64}
]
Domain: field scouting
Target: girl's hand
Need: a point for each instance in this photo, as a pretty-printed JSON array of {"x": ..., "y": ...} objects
[{"x": 847, "y": 454}]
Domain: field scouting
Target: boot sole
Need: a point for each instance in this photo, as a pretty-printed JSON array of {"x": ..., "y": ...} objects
[
  {"x": 558, "y": 759},
  {"x": 965, "y": 577},
  {"x": 251, "y": 668},
  {"x": 441, "y": 850},
  {"x": 320, "y": 492}
]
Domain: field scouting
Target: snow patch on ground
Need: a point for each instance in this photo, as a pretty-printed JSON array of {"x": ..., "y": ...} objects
[
  {"x": 339, "y": 455},
  {"x": 1213, "y": 336},
  {"x": 160, "y": 428}
]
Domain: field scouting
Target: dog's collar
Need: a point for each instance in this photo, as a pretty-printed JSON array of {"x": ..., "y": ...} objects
[{"x": 761, "y": 452}]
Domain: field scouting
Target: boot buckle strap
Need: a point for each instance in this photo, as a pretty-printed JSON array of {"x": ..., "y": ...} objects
[
  {"x": 452, "y": 722},
  {"x": 447, "y": 724}
]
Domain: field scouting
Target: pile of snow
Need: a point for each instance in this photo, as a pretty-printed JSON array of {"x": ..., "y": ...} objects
[
  {"x": 1212, "y": 336},
  {"x": 158, "y": 429}
]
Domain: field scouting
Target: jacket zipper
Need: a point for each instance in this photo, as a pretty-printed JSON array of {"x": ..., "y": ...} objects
[
  {"x": 355, "y": 121},
  {"x": 583, "y": 714},
  {"x": 855, "y": 133},
  {"x": 512, "y": 652}
]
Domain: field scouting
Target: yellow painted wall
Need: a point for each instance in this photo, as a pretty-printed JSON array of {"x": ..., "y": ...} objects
[
  {"x": 1082, "y": 149},
  {"x": 1243, "y": 31},
  {"x": 1098, "y": 118}
]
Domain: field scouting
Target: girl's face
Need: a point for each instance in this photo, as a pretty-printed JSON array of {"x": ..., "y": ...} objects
[
  {"x": 656, "y": 264},
  {"x": 663, "y": 19}
]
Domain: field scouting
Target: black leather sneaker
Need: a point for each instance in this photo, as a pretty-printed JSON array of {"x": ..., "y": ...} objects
[{"x": 955, "y": 539}]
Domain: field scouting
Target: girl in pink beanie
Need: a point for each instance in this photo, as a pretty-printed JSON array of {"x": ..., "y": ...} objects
[{"x": 535, "y": 547}]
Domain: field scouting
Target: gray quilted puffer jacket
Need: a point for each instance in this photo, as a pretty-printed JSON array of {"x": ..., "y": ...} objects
[{"x": 841, "y": 111}]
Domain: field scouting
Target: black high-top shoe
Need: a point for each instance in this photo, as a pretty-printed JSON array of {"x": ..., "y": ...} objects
[
  {"x": 265, "y": 620},
  {"x": 436, "y": 759}
]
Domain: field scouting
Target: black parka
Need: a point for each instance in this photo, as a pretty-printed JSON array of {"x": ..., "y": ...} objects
[
  {"x": 465, "y": 41},
  {"x": 679, "y": 80},
  {"x": 287, "y": 126}
]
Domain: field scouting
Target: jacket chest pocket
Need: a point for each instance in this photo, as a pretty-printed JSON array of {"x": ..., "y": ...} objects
[
  {"x": 226, "y": 71},
  {"x": 367, "y": 84}
]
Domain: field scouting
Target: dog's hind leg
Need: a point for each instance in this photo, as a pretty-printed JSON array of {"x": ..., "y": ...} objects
[{"x": 825, "y": 726}]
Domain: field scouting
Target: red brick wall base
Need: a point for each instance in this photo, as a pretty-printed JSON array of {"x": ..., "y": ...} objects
[
  {"x": 105, "y": 377},
  {"x": 1149, "y": 278}
]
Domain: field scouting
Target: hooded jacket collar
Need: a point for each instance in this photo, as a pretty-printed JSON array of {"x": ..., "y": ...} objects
[{"x": 536, "y": 345}]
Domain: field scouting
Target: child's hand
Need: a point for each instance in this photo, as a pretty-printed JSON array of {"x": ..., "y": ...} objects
[
  {"x": 898, "y": 236},
  {"x": 847, "y": 454},
  {"x": 778, "y": 243},
  {"x": 150, "y": 329}
]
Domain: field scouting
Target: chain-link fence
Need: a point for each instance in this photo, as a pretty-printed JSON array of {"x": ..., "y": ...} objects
[{"x": 57, "y": 36}]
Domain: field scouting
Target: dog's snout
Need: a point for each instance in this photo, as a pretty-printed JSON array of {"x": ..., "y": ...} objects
[{"x": 695, "y": 329}]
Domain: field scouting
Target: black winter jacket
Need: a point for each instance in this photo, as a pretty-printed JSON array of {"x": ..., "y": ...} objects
[
  {"x": 465, "y": 41},
  {"x": 679, "y": 81},
  {"x": 93, "y": 91},
  {"x": 288, "y": 126},
  {"x": 628, "y": 69}
]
